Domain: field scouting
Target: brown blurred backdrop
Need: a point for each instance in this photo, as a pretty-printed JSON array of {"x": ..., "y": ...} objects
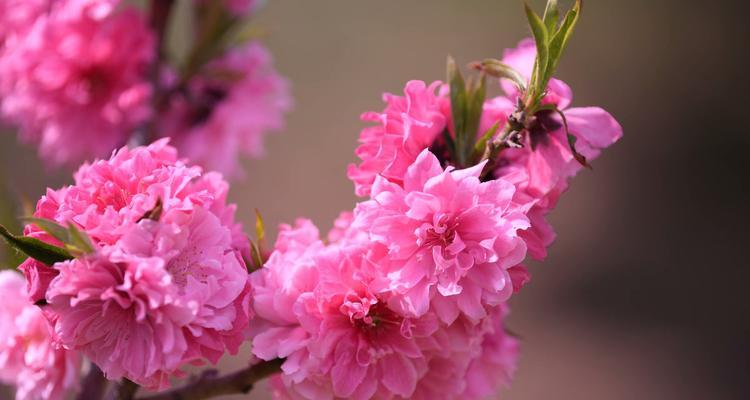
[{"x": 644, "y": 293}]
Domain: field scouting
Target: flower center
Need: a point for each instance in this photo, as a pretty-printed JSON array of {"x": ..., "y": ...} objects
[
  {"x": 367, "y": 312},
  {"x": 440, "y": 233}
]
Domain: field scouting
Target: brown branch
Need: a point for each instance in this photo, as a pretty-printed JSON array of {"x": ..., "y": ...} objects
[
  {"x": 209, "y": 385},
  {"x": 123, "y": 390},
  {"x": 93, "y": 385}
]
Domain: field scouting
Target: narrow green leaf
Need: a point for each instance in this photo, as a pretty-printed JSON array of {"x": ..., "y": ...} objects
[
  {"x": 458, "y": 107},
  {"x": 80, "y": 241},
  {"x": 498, "y": 69},
  {"x": 449, "y": 143},
  {"x": 35, "y": 248},
  {"x": 260, "y": 230},
  {"x": 256, "y": 260},
  {"x": 551, "y": 15},
  {"x": 481, "y": 146},
  {"x": 478, "y": 92},
  {"x": 541, "y": 37},
  {"x": 560, "y": 40},
  {"x": 56, "y": 230}
]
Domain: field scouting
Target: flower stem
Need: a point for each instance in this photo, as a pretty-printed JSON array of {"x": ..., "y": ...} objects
[
  {"x": 93, "y": 385},
  {"x": 210, "y": 385}
]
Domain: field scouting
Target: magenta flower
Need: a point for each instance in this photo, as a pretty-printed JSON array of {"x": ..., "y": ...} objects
[
  {"x": 541, "y": 169},
  {"x": 167, "y": 270},
  {"x": 242, "y": 98},
  {"x": 75, "y": 81},
  {"x": 450, "y": 238},
  {"x": 29, "y": 358},
  {"x": 408, "y": 125}
]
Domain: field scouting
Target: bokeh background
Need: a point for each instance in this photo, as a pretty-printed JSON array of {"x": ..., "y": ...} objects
[{"x": 645, "y": 293}]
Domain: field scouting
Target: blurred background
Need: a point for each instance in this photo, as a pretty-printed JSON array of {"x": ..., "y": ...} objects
[{"x": 644, "y": 294}]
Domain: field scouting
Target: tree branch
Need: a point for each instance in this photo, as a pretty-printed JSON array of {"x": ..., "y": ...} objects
[
  {"x": 94, "y": 385},
  {"x": 209, "y": 385},
  {"x": 123, "y": 390}
]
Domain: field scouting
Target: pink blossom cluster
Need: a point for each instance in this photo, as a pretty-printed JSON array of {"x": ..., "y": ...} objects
[
  {"x": 227, "y": 111},
  {"x": 333, "y": 314},
  {"x": 408, "y": 298},
  {"x": 166, "y": 284},
  {"x": 540, "y": 171},
  {"x": 405, "y": 298},
  {"x": 29, "y": 358},
  {"x": 72, "y": 75},
  {"x": 77, "y": 77}
]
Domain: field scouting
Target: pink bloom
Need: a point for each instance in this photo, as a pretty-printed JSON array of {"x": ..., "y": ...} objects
[
  {"x": 28, "y": 358},
  {"x": 16, "y": 17},
  {"x": 208, "y": 272},
  {"x": 124, "y": 313},
  {"x": 344, "y": 233},
  {"x": 176, "y": 277},
  {"x": 494, "y": 367},
  {"x": 289, "y": 272},
  {"x": 357, "y": 347},
  {"x": 76, "y": 83},
  {"x": 408, "y": 125},
  {"x": 237, "y": 100},
  {"x": 541, "y": 169},
  {"x": 450, "y": 238},
  {"x": 110, "y": 196}
]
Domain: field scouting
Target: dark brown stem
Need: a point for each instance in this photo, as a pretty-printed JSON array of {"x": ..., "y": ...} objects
[
  {"x": 123, "y": 390},
  {"x": 158, "y": 20},
  {"x": 210, "y": 385},
  {"x": 93, "y": 385}
]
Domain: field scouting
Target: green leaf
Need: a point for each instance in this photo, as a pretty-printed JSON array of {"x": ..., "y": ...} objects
[
  {"x": 56, "y": 230},
  {"x": 551, "y": 15},
  {"x": 35, "y": 248},
  {"x": 74, "y": 241},
  {"x": 560, "y": 40},
  {"x": 541, "y": 37},
  {"x": 260, "y": 230},
  {"x": 475, "y": 106},
  {"x": 499, "y": 69},
  {"x": 256, "y": 259},
  {"x": 458, "y": 107},
  {"x": 79, "y": 241},
  {"x": 481, "y": 146}
]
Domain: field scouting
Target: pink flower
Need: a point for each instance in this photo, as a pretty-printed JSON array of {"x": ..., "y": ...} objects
[
  {"x": 356, "y": 346},
  {"x": 28, "y": 357},
  {"x": 541, "y": 169},
  {"x": 408, "y": 125},
  {"x": 16, "y": 17},
  {"x": 238, "y": 99},
  {"x": 75, "y": 83},
  {"x": 289, "y": 272},
  {"x": 175, "y": 278},
  {"x": 450, "y": 238},
  {"x": 124, "y": 313},
  {"x": 494, "y": 367}
]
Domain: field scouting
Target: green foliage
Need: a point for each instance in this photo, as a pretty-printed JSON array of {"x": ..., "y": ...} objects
[
  {"x": 467, "y": 102},
  {"x": 35, "y": 248},
  {"x": 551, "y": 38}
]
